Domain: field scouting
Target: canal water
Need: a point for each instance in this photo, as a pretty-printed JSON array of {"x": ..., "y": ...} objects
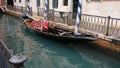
[{"x": 45, "y": 53}]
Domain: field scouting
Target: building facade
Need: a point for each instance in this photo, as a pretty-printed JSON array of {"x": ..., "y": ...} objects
[
  {"x": 102, "y": 7},
  {"x": 57, "y": 5},
  {"x": 20, "y": 2},
  {"x": 92, "y": 7}
]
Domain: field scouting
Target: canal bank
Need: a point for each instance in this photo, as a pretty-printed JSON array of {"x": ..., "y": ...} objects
[
  {"x": 100, "y": 43},
  {"x": 41, "y": 51}
]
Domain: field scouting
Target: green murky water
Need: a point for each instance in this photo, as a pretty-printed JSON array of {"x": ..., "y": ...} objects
[{"x": 45, "y": 53}]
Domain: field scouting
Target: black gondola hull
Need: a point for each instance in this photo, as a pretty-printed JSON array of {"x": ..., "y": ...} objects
[{"x": 57, "y": 37}]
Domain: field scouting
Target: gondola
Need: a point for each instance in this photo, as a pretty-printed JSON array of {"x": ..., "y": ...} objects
[{"x": 57, "y": 33}]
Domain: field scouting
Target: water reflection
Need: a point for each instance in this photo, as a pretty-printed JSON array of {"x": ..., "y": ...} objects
[
  {"x": 59, "y": 55},
  {"x": 53, "y": 54},
  {"x": 98, "y": 58},
  {"x": 44, "y": 53}
]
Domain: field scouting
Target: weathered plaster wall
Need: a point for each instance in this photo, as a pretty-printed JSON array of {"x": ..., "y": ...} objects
[
  {"x": 34, "y": 5},
  {"x": 61, "y": 7},
  {"x": 17, "y": 3},
  {"x": 104, "y": 8},
  {"x": 0, "y": 2}
]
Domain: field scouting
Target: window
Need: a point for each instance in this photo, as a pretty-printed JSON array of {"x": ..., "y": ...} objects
[
  {"x": 100, "y": 0},
  {"x": 96, "y": 0},
  {"x": 20, "y": 1},
  {"x": 55, "y": 3},
  {"x": 65, "y": 2},
  {"x": 38, "y": 3},
  {"x": 111, "y": 0}
]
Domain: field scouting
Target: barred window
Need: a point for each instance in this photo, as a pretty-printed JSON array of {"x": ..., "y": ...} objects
[
  {"x": 55, "y": 3},
  {"x": 65, "y": 2},
  {"x": 20, "y": 1},
  {"x": 100, "y": 0},
  {"x": 95, "y": 0},
  {"x": 38, "y": 3}
]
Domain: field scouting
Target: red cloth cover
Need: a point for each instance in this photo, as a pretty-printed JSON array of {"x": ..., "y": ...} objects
[{"x": 39, "y": 25}]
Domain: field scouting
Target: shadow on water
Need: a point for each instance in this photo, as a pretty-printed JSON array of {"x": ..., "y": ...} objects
[{"x": 58, "y": 49}]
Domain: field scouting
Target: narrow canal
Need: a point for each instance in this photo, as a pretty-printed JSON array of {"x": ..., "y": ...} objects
[{"x": 45, "y": 53}]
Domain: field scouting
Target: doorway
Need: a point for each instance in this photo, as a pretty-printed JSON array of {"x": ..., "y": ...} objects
[
  {"x": 75, "y": 6},
  {"x": 48, "y": 5}
]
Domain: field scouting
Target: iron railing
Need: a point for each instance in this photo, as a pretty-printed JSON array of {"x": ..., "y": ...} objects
[
  {"x": 98, "y": 24},
  {"x": 57, "y": 16}
]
